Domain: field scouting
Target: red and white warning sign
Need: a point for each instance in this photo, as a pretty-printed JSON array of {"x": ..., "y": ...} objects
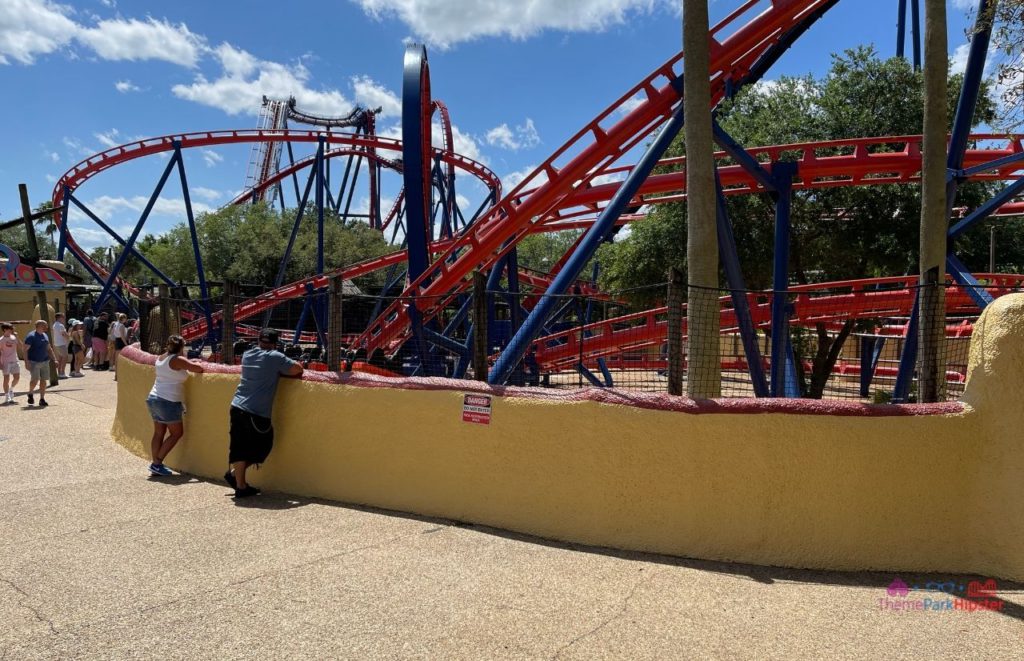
[{"x": 476, "y": 408}]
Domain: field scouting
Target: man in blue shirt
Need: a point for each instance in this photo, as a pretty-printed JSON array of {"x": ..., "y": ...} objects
[
  {"x": 38, "y": 354},
  {"x": 252, "y": 435}
]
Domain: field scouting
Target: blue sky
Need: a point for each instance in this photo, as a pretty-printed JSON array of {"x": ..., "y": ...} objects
[{"x": 520, "y": 77}]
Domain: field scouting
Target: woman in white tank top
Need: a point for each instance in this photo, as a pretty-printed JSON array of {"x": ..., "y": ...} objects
[{"x": 165, "y": 402}]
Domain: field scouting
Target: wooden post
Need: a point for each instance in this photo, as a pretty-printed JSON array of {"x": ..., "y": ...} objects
[
  {"x": 334, "y": 318},
  {"x": 33, "y": 246},
  {"x": 934, "y": 211},
  {"x": 676, "y": 286},
  {"x": 227, "y": 342},
  {"x": 479, "y": 326},
  {"x": 165, "y": 314}
]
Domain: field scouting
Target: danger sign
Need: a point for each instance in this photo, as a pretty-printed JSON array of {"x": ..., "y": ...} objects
[{"x": 476, "y": 408}]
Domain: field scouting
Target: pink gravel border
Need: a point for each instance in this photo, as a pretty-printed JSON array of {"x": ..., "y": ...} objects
[{"x": 653, "y": 401}]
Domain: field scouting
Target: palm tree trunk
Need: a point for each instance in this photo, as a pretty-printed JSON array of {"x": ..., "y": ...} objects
[
  {"x": 934, "y": 214},
  {"x": 704, "y": 378}
]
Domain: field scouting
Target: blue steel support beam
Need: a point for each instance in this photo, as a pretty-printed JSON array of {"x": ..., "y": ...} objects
[
  {"x": 792, "y": 389},
  {"x": 963, "y": 276},
  {"x": 295, "y": 229},
  {"x": 908, "y": 359},
  {"x": 867, "y": 348},
  {"x": 605, "y": 222},
  {"x": 63, "y": 239},
  {"x": 915, "y": 31},
  {"x": 738, "y": 290},
  {"x": 901, "y": 28},
  {"x": 352, "y": 188},
  {"x": 320, "y": 206},
  {"x": 344, "y": 183},
  {"x": 991, "y": 165},
  {"x": 987, "y": 209},
  {"x": 128, "y": 247},
  {"x": 291, "y": 162},
  {"x": 417, "y": 205},
  {"x": 783, "y": 174},
  {"x": 740, "y": 155},
  {"x": 204, "y": 292},
  {"x": 98, "y": 278},
  {"x": 139, "y": 256}
]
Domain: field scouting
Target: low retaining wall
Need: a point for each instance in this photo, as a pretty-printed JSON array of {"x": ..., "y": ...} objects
[{"x": 802, "y": 484}]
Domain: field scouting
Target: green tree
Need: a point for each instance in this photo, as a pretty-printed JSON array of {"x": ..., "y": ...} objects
[
  {"x": 246, "y": 243},
  {"x": 1008, "y": 46}
]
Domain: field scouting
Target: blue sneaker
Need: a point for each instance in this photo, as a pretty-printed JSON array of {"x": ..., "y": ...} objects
[{"x": 160, "y": 469}]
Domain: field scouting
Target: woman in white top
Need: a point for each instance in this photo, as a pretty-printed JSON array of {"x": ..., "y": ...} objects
[
  {"x": 165, "y": 401},
  {"x": 119, "y": 336}
]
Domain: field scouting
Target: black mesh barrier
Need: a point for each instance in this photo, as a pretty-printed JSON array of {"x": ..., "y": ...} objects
[{"x": 846, "y": 341}]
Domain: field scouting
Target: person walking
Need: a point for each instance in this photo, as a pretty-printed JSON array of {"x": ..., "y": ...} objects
[
  {"x": 90, "y": 323},
  {"x": 76, "y": 347},
  {"x": 9, "y": 347},
  {"x": 119, "y": 335},
  {"x": 252, "y": 435},
  {"x": 60, "y": 344},
  {"x": 166, "y": 402},
  {"x": 100, "y": 334},
  {"x": 38, "y": 353}
]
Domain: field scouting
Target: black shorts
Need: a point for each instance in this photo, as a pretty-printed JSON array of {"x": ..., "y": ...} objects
[
  {"x": 119, "y": 344},
  {"x": 252, "y": 437}
]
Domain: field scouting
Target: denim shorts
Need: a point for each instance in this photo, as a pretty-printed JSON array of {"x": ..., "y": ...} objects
[{"x": 164, "y": 411}]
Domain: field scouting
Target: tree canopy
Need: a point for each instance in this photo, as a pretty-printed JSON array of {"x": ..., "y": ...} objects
[{"x": 245, "y": 243}]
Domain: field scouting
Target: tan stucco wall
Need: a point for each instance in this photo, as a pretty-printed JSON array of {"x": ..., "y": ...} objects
[{"x": 924, "y": 493}]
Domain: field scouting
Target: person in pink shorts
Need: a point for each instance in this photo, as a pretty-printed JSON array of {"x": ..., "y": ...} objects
[{"x": 100, "y": 335}]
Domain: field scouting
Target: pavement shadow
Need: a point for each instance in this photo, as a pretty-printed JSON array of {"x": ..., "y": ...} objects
[
  {"x": 271, "y": 502},
  {"x": 174, "y": 480}
]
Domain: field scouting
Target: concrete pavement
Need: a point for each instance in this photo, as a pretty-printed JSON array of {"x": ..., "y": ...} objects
[{"x": 99, "y": 561}]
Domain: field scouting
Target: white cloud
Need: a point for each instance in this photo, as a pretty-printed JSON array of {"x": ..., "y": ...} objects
[
  {"x": 107, "y": 206},
  {"x": 53, "y": 156},
  {"x": 125, "y": 86},
  {"x": 501, "y": 136},
  {"x": 608, "y": 178},
  {"x": 244, "y": 81},
  {"x": 958, "y": 60},
  {"x": 206, "y": 193},
  {"x": 132, "y": 39},
  {"x": 446, "y": 22},
  {"x": 372, "y": 94},
  {"x": 77, "y": 149},
  {"x": 463, "y": 143},
  {"x": 32, "y": 27},
  {"x": 513, "y": 179},
  {"x": 631, "y": 104},
  {"x": 524, "y": 136},
  {"x": 210, "y": 157},
  {"x": 51, "y": 179},
  {"x": 109, "y": 138}
]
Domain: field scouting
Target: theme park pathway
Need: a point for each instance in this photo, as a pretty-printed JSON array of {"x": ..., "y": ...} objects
[{"x": 98, "y": 561}]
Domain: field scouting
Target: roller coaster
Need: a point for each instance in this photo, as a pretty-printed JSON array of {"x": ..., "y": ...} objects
[{"x": 584, "y": 186}]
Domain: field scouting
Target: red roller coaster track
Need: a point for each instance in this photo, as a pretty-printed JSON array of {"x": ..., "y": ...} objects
[{"x": 818, "y": 303}]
